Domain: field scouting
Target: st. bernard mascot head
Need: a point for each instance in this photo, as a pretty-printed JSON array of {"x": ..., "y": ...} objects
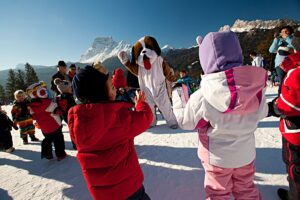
[{"x": 145, "y": 52}]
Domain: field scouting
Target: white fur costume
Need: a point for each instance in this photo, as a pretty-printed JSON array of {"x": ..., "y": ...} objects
[{"x": 152, "y": 72}]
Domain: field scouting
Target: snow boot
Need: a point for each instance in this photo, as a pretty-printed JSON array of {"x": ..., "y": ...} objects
[
  {"x": 174, "y": 126},
  {"x": 33, "y": 138},
  {"x": 283, "y": 194},
  {"x": 25, "y": 141},
  {"x": 10, "y": 150},
  {"x": 61, "y": 157}
]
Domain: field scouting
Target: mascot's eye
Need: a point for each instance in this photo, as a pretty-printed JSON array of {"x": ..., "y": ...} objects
[{"x": 148, "y": 46}]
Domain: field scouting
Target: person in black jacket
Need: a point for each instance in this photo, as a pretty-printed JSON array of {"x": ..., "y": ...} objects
[
  {"x": 5, "y": 136},
  {"x": 61, "y": 73}
]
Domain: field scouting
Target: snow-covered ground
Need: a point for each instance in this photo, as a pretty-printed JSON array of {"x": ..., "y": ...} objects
[{"x": 168, "y": 157}]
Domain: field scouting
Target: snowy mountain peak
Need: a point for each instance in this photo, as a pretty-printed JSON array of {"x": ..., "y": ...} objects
[
  {"x": 103, "y": 48},
  {"x": 245, "y": 26},
  {"x": 166, "y": 48}
]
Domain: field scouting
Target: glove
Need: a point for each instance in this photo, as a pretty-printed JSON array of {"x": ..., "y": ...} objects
[
  {"x": 273, "y": 110},
  {"x": 123, "y": 57},
  {"x": 15, "y": 126}
]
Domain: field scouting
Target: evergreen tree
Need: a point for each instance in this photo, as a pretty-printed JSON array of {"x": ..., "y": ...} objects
[
  {"x": 20, "y": 82},
  {"x": 11, "y": 85},
  {"x": 2, "y": 94},
  {"x": 30, "y": 75}
]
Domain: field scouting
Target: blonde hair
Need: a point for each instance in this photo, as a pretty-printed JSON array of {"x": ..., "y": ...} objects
[{"x": 18, "y": 92}]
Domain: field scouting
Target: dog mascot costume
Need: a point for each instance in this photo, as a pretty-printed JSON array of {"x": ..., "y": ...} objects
[{"x": 152, "y": 72}]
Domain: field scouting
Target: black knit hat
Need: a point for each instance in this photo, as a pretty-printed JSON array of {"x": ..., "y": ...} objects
[
  {"x": 72, "y": 66},
  {"x": 89, "y": 85}
]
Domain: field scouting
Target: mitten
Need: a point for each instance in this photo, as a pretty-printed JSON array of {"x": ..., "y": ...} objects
[
  {"x": 273, "y": 109},
  {"x": 15, "y": 126},
  {"x": 123, "y": 57}
]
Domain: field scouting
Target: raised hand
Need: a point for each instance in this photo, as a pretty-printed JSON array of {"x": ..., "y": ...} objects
[
  {"x": 140, "y": 97},
  {"x": 123, "y": 57}
]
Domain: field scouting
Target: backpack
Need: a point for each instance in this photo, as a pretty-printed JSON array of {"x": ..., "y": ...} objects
[{"x": 290, "y": 62}]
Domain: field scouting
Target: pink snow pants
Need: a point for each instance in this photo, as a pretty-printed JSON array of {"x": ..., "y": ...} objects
[{"x": 220, "y": 183}]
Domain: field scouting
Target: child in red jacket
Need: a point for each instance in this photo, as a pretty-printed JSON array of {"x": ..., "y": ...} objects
[
  {"x": 45, "y": 112},
  {"x": 103, "y": 131},
  {"x": 287, "y": 107}
]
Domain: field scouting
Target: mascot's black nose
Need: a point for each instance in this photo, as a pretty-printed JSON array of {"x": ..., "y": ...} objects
[
  {"x": 144, "y": 51},
  {"x": 145, "y": 57}
]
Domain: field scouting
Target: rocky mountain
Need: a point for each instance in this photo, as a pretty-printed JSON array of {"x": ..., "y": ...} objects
[{"x": 246, "y": 26}]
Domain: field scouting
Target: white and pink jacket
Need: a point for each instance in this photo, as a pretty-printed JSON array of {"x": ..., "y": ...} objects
[{"x": 226, "y": 111}]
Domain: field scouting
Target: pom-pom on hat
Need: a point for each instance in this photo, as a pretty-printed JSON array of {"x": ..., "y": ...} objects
[
  {"x": 118, "y": 79},
  {"x": 89, "y": 85}
]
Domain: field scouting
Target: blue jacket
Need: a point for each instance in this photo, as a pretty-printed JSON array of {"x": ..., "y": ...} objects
[
  {"x": 187, "y": 81},
  {"x": 277, "y": 42}
]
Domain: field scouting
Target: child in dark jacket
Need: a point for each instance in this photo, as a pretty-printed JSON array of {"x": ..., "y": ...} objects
[
  {"x": 103, "y": 131},
  {"x": 5, "y": 136},
  {"x": 65, "y": 99},
  {"x": 44, "y": 111},
  {"x": 21, "y": 116}
]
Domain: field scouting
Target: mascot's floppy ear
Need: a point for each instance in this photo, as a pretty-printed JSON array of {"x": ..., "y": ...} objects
[
  {"x": 133, "y": 58},
  {"x": 155, "y": 45},
  {"x": 199, "y": 40}
]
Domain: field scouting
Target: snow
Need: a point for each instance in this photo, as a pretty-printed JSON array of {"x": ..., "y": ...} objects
[
  {"x": 168, "y": 158},
  {"x": 103, "y": 48}
]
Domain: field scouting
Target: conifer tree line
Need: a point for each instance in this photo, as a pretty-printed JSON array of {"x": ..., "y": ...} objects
[{"x": 17, "y": 80}]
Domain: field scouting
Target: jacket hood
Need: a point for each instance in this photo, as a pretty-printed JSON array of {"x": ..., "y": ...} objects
[
  {"x": 238, "y": 90},
  {"x": 220, "y": 51}
]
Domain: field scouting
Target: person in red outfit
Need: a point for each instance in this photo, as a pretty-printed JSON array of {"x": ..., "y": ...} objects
[
  {"x": 103, "y": 131},
  {"x": 119, "y": 82},
  {"x": 287, "y": 107},
  {"x": 47, "y": 115}
]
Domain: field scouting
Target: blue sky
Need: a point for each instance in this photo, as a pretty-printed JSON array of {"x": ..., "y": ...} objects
[{"x": 42, "y": 32}]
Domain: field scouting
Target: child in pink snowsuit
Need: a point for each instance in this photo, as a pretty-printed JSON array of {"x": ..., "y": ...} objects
[{"x": 226, "y": 111}]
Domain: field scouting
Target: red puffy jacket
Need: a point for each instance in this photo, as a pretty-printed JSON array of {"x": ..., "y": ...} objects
[
  {"x": 103, "y": 134},
  {"x": 43, "y": 111},
  {"x": 288, "y": 104}
]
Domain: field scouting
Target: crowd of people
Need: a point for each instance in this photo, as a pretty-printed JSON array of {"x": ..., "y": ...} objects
[{"x": 105, "y": 113}]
